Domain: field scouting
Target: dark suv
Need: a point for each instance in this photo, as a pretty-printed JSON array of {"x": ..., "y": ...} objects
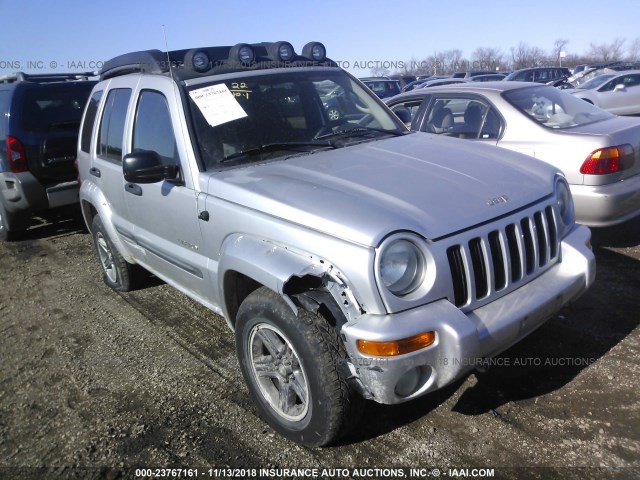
[
  {"x": 39, "y": 123},
  {"x": 382, "y": 87}
]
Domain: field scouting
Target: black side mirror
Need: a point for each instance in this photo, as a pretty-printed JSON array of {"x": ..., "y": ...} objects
[{"x": 146, "y": 167}]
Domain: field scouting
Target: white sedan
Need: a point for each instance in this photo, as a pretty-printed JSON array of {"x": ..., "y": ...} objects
[
  {"x": 598, "y": 152},
  {"x": 619, "y": 94}
]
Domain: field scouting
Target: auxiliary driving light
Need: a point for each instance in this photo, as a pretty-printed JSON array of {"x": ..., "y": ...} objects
[
  {"x": 315, "y": 51},
  {"x": 393, "y": 348},
  {"x": 242, "y": 52},
  {"x": 198, "y": 60},
  {"x": 282, "y": 51}
]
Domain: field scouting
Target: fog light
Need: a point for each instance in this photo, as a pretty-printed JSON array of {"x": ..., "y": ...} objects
[
  {"x": 396, "y": 347},
  {"x": 408, "y": 382}
]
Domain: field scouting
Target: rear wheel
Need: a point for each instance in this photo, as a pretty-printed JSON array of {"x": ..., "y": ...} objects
[
  {"x": 10, "y": 227},
  {"x": 117, "y": 273},
  {"x": 291, "y": 366}
]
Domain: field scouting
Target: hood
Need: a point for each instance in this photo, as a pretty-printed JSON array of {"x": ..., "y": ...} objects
[{"x": 424, "y": 183}]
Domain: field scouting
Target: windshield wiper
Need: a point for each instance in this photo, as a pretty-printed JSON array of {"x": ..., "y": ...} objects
[
  {"x": 360, "y": 131},
  {"x": 276, "y": 146}
]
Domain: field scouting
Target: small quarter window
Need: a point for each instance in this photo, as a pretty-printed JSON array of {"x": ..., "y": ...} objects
[{"x": 89, "y": 120}]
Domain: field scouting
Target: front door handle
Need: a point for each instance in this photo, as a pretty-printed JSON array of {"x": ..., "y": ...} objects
[
  {"x": 95, "y": 172},
  {"x": 133, "y": 189}
]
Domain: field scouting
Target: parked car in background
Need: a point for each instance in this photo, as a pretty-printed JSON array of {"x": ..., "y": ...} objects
[
  {"x": 421, "y": 80},
  {"x": 39, "y": 121},
  {"x": 598, "y": 152},
  {"x": 338, "y": 104},
  {"x": 595, "y": 70},
  {"x": 403, "y": 80},
  {"x": 471, "y": 73},
  {"x": 579, "y": 68},
  {"x": 410, "y": 86},
  {"x": 382, "y": 87},
  {"x": 538, "y": 74},
  {"x": 441, "y": 81},
  {"x": 617, "y": 93},
  {"x": 489, "y": 77}
]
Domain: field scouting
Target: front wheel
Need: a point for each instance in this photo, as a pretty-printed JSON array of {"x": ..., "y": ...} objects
[{"x": 291, "y": 365}]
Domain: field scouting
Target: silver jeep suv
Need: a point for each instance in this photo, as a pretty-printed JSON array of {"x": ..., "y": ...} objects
[{"x": 352, "y": 258}]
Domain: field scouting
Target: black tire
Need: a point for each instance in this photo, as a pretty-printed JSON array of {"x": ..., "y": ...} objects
[
  {"x": 117, "y": 273},
  {"x": 306, "y": 364},
  {"x": 10, "y": 227}
]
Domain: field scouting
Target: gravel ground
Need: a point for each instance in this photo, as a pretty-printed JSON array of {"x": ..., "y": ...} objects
[{"x": 96, "y": 384}]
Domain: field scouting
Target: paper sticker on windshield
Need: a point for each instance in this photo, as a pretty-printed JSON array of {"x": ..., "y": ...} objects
[{"x": 217, "y": 104}]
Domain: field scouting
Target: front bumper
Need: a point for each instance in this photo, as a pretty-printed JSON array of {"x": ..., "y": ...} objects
[
  {"x": 606, "y": 205},
  {"x": 464, "y": 339}
]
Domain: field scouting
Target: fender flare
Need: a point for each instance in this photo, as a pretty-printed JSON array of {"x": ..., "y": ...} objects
[
  {"x": 271, "y": 265},
  {"x": 92, "y": 197}
]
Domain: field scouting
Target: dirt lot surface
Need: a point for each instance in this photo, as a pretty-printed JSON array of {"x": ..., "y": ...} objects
[{"x": 95, "y": 384}]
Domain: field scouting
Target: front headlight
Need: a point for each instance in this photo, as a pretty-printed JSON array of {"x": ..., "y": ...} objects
[
  {"x": 402, "y": 267},
  {"x": 564, "y": 202}
]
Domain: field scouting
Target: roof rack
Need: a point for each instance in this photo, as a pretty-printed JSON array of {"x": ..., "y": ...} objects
[
  {"x": 46, "y": 77},
  {"x": 198, "y": 62}
]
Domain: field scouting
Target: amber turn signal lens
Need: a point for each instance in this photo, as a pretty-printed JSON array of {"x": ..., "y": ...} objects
[{"x": 397, "y": 347}]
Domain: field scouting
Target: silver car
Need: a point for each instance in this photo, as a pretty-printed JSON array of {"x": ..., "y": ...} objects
[
  {"x": 352, "y": 258},
  {"x": 617, "y": 93},
  {"x": 598, "y": 152}
]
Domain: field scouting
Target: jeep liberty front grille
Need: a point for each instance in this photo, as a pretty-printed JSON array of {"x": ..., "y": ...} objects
[{"x": 509, "y": 255}]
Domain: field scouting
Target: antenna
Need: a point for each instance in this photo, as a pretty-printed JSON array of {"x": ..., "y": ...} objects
[{"x": 166, "y": 47}]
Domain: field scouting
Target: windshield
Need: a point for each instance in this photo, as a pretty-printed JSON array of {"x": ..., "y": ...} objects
[
  {"x": 596, "y": 82},
  {"x": 554, "y": 108},
  {"x": 256, "y": 116}
]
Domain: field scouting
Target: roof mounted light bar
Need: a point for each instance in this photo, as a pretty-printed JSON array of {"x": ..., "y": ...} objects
[{"x": 196, "y": 62}]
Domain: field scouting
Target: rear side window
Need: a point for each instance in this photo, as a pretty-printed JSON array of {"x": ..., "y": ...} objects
[
  {"x": 111, "y": 136},
  {"x": 89, "y": 121},
  {"x": 463, "y": 117},
  {"x": 48, "y": 108}
]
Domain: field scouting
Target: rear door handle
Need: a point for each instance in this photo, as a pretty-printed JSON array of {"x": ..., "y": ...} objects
[
  {"x": 95, "y": 172},
  {"x": 133, "y": 189}
]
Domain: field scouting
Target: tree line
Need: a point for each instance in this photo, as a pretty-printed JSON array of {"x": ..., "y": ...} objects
[{"x": 521, "y": 56}]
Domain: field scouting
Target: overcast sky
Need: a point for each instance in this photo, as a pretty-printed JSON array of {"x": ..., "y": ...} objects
[{"x": 72, "y": 35}]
